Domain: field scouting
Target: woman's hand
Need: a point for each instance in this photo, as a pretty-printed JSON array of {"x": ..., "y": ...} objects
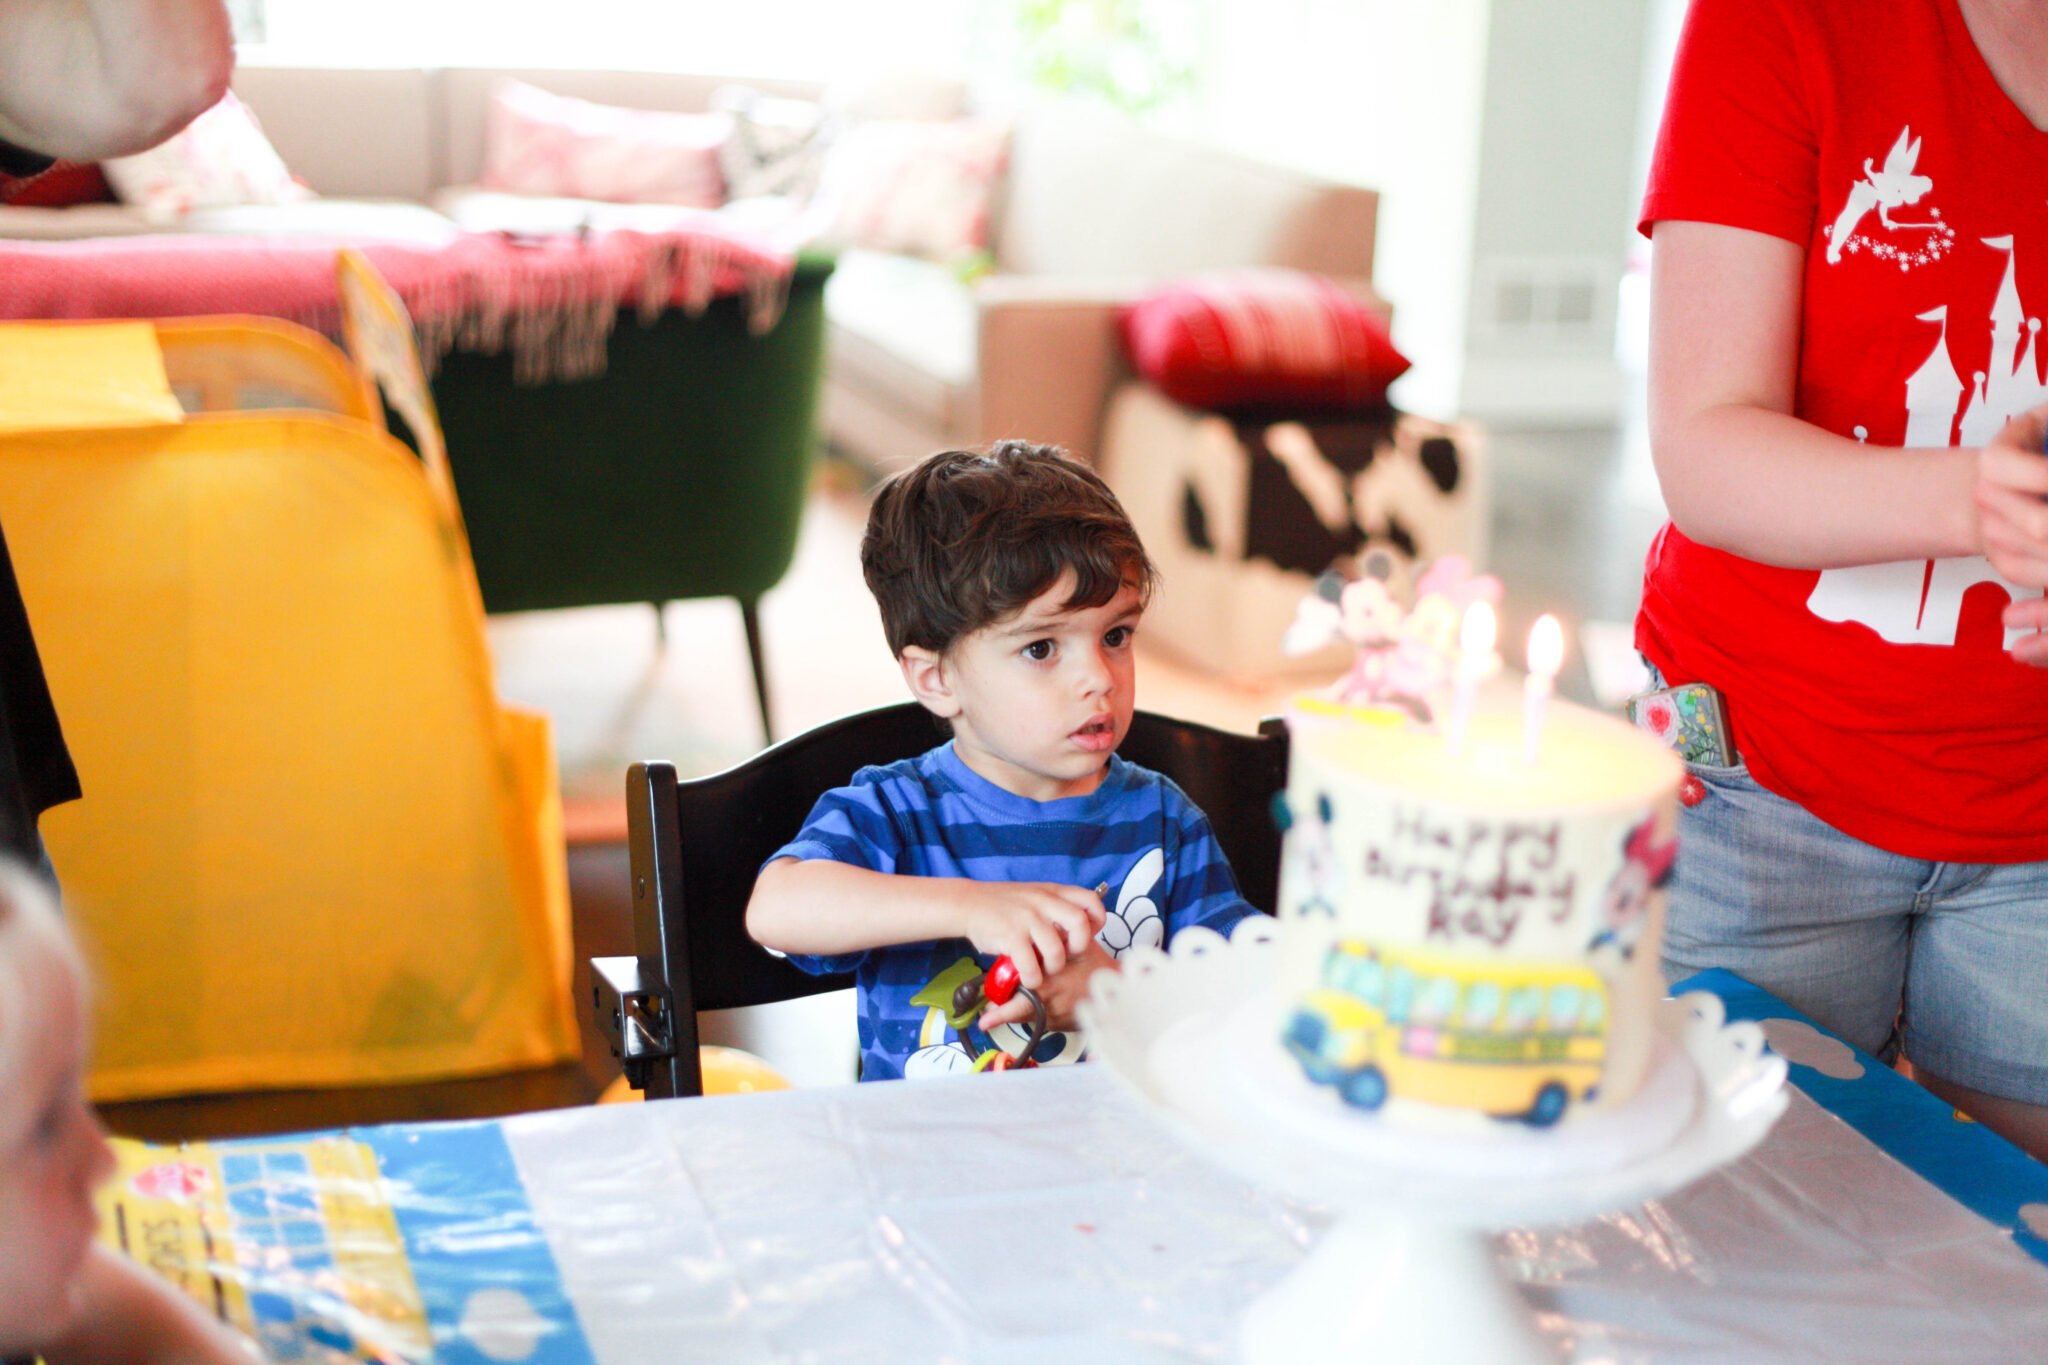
[{"x": 2012, "y": 517}]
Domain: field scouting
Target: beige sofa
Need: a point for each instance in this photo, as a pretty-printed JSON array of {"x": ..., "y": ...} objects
[{"x": 1095, "y": 208}]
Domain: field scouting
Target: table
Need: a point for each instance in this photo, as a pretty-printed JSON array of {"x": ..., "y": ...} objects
[{"x": 1049, "y": 1216}]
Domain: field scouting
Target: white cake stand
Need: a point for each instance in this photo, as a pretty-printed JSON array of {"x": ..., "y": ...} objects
[{"x": 1407, "y": 1271}]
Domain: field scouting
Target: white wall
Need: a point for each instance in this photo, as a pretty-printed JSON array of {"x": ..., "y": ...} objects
[
  {"x": 1386, "y": 93},
  {"x": 1503, "y": 136},
  {"x": 1556, "y": 208},
  {"x": 803, "y": 39}
]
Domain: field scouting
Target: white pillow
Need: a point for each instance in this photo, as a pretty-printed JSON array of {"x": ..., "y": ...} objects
[
  {"x": 916, "y": 186},
  {"x": 546, "y": 144},
  {"x": 777, "y": 146},
  {"x": 221, "y": 159}
]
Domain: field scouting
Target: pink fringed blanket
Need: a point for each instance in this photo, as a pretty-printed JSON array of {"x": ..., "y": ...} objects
[{"x": 552, "y": 300}]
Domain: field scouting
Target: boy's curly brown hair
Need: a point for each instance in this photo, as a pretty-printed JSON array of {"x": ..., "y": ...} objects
[{"x": 967, "y": 537}]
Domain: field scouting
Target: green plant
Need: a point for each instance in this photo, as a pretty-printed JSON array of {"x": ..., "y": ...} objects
[{"x": 1135, "y": 54}]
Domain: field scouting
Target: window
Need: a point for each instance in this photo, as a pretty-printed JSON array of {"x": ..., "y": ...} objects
[
  {"x": 1564, "y": 1007},
  {"x": 791, "y": 39},
  {"x": 1482, "y": 1005},
  {"x": 1439, "y": 998},
  {"x": 1364, "y": 978},
  {"x": 1525, "y": 1003}
]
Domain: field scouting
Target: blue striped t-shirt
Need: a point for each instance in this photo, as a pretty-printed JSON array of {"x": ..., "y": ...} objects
[{"x": 933, "y": 816}]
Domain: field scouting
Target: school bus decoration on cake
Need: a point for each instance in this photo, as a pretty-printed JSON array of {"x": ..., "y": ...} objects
[{"x": 1514, "y": 1040}]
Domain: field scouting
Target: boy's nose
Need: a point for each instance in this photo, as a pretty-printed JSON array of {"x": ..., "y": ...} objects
[{"x": 1095, "y": 672}]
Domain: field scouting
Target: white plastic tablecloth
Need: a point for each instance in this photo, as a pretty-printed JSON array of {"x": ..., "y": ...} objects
[{"x": 1050, "y": 1217}]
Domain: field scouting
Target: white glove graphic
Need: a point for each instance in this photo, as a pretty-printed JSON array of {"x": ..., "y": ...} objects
[
  {"x": 939, "y": 1059},
  {"x": 1135, "y": 922}
]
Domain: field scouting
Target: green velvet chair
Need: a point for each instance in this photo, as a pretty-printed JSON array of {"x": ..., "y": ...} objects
[{"x": 679, "y": 472}]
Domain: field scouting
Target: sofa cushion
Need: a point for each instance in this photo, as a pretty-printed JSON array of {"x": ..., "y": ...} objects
[
  {"x": 540, "y": 143},
  {"x": 904, "y": 329},
  {"x": 354, "y": 220},
  {"x": 1090, "y": 192},
  {"x": 771, "y": 221},
  {"x": 27, "y": 224},
  {"x": 221, "y": 157},
  {"x": 463, "y": 96},
  {"x": 777, "y": 146},
  {"x": 1276, "y": 339},
  {"x": 921, "y": 186},
  {"x": 59, "y": 185},
  {"x": 357, "y": 132}
]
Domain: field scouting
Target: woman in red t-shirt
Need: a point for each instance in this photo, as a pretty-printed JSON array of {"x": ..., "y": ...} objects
[{"x": 1849, "y": 204}]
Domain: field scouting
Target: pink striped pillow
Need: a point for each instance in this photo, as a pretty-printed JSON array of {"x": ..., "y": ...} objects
[
  {"x": 541, "y": 143},
  {"x": 1262, "y": 339}
]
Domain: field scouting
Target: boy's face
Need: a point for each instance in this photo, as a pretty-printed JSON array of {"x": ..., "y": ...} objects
[
  {"x": 1039, "y": 699},
  {"x": 53, "y": 1154}
]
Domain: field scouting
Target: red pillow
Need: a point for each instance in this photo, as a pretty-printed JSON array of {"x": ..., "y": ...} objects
[
  {"x": 1262, "y": 339},
  {"x": 57, "y": 186}
]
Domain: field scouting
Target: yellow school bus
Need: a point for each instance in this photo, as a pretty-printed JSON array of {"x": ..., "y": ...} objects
[{"x": 1512, "y": 1039}]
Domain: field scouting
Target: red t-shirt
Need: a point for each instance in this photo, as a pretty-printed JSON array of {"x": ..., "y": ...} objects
[{"x": 1871, "y": 133}]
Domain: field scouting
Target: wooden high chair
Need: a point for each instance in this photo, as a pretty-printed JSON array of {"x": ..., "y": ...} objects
[{"x": 696, "y": 846}]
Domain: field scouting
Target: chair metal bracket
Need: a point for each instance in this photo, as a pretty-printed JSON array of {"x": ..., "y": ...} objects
[{"x": 635, "y": 1020}]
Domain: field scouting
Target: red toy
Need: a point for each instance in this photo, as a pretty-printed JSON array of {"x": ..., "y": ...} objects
[{"x": 998, "y": 986}]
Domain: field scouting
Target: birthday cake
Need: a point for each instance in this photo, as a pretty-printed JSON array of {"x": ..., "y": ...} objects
[{"x": 1471, "y": 892}]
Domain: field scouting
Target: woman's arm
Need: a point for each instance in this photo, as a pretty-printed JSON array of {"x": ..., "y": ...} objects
[
  {"x": 1739, "y": 472},
  {"x": 87, "y": 79},
  {"x": 128, "y": 1316},
  {"x": 818, "y": 907}
]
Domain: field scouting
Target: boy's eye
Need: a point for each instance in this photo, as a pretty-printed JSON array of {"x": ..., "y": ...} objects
[
  {"x": 1118, "y": 637},
  {"x": 1038, "y": 650}
]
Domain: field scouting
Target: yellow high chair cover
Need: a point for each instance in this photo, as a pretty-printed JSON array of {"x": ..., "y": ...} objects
[
  {"x": 314, "y": 848},
  {"x": 58, "y": 374}
]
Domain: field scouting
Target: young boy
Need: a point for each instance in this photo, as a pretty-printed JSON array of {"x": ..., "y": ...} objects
[
  {"x": 61, "y": 1293},
  {"x": 1011, "y": 585}
]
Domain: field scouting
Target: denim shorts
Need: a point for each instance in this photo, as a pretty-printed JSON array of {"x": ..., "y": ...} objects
[{"x": 1945, "y": 961}]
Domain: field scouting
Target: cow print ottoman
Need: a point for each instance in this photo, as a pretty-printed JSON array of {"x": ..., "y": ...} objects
[{"x": 1240, "y": 515}]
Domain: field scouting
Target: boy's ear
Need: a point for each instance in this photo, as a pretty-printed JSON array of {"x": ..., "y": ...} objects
[{"x": 925, "y": 673}]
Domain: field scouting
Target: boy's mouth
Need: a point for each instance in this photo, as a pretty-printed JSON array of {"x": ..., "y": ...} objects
[{"x": 1098, "y": 734}]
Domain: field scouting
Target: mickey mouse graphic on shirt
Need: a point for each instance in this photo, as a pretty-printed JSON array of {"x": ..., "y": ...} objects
[{"x": 945, "y": 1042}]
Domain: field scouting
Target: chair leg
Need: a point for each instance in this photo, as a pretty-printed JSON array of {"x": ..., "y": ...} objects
[{"x": 750, "y": 614}]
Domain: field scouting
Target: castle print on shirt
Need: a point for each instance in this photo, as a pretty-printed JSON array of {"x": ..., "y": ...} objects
[{"x": 1920, "y": 601}]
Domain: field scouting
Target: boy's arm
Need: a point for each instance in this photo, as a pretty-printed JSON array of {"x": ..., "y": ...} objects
[
  {"x": 819, "y": 907},
  {"x": 127, "y": 1316}
]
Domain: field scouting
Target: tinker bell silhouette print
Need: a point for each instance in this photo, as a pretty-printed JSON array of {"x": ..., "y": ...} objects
[{"x": 1893, "y": 187}]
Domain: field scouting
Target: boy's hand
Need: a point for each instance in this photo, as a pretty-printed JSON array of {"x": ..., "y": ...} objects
[
  {"x": 1039, "y": 925},
  {"x": 1062, "y": 993}
]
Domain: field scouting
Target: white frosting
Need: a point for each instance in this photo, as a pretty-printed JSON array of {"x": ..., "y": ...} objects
[{"x": 1479, "y": 864}]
